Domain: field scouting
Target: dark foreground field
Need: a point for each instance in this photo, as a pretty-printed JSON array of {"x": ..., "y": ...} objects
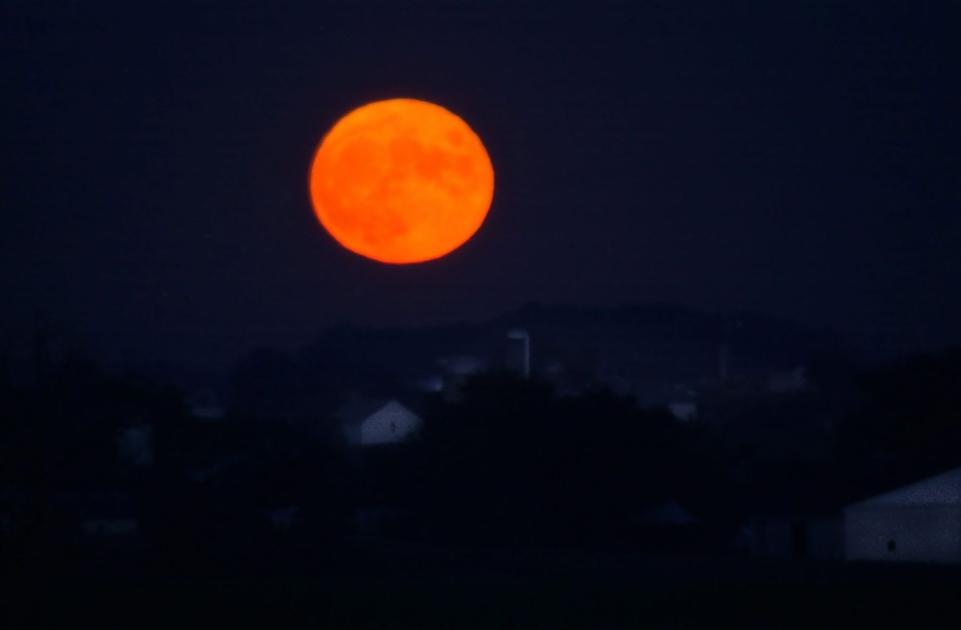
[{"x": 366, "y": 586}]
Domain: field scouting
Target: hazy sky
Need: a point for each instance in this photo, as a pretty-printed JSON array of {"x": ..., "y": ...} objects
[{"x": 800, "y": 159}]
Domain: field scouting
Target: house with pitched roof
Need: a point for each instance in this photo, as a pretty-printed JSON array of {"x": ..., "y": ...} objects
[{"x": 377, "y": 422}]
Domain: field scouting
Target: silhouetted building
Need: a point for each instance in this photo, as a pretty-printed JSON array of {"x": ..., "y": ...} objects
[
  {"x": 793, "y": 537},
  {"x": 95, "y": 515},
  {"x": 788, "y": 382},
  {"x": 206, "y": 406},
  {"x": 457, "y": 370},
  {"x": 670, "y": 514},
  {"x": 284, "y": 519},
  {"x": 683, "y": 410},
  {"x": 135, "y": 445}
]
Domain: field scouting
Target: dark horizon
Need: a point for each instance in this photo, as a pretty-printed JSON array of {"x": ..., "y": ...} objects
[{"x": 210, "y": 366}]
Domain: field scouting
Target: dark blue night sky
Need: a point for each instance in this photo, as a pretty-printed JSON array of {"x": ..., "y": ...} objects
[{"x": 799, "y": 159}]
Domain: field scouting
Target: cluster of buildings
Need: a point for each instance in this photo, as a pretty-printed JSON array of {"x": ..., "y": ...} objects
[{"x": 920, "y": 522}]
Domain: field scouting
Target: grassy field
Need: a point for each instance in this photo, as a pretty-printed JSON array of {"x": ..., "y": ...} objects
[{"x": 436, "y": 588}]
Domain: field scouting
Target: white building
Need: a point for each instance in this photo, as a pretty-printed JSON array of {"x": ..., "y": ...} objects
[
  {"x": 369, "y": 423},
  {"x": 920, "y": 522}
]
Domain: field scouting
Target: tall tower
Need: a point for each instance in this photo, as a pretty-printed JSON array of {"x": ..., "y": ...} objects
[{"x": 519, "y": 352}]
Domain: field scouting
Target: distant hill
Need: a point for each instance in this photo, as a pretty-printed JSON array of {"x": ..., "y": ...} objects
[{"x": 637, "y": 347}]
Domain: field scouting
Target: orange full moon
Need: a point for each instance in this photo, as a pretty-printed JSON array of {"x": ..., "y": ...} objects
[{"x": 401, "y": 181}]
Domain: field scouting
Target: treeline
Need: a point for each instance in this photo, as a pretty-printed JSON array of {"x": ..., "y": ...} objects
[{"x": 506, "y": 461}]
